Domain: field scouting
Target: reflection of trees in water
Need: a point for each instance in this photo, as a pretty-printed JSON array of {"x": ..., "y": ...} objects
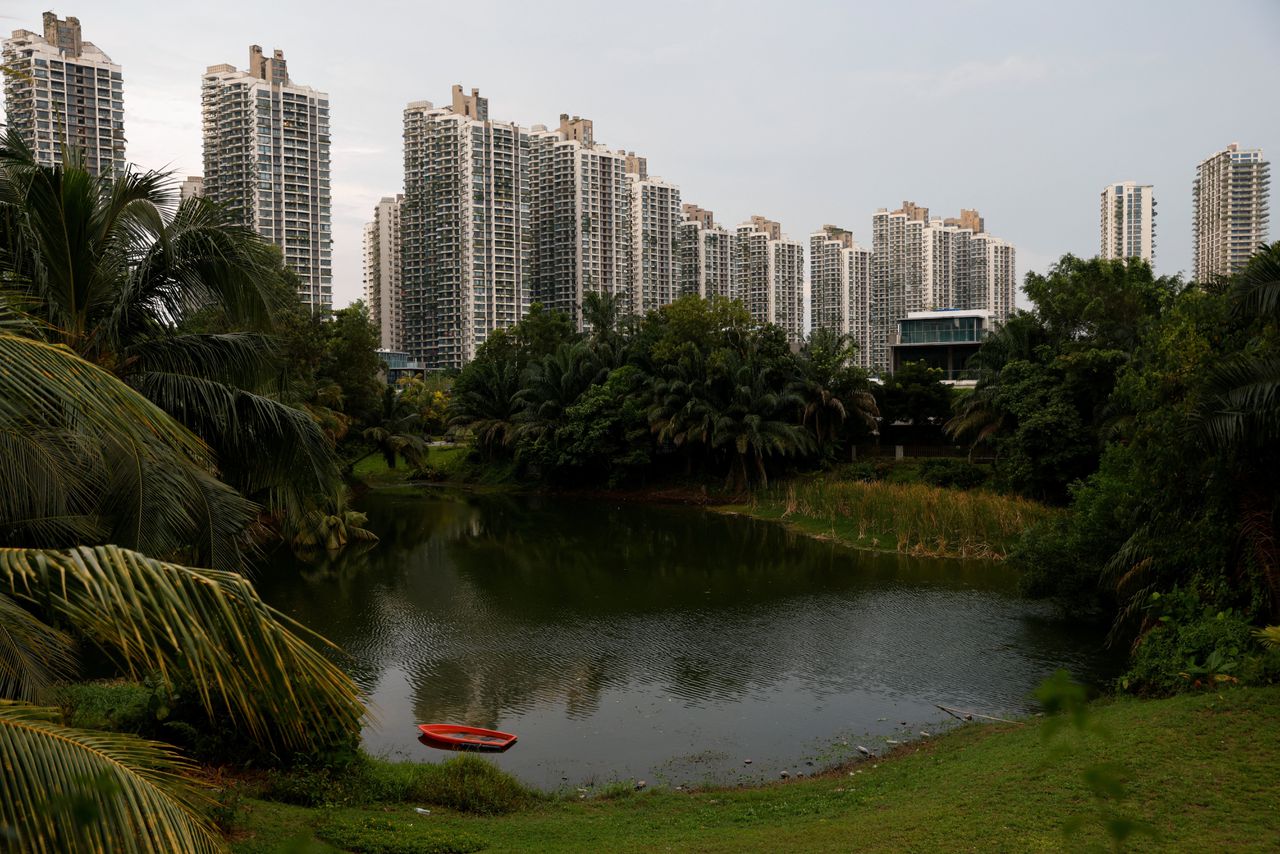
[{"x": 496, "y": 605}]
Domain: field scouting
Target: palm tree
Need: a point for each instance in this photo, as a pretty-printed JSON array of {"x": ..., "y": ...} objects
[
  {"x": 757, "y": 421},
  {"x": 484, "y": 403},
  {"x": 980, "y": 415},
  {"x": 831, "y": 389},
  {"x": 252, "y": 667},
  {"x": 552, "y": 384},
  {"x": 1239, "y": 417},
  {"x": 109, "y": 268}
]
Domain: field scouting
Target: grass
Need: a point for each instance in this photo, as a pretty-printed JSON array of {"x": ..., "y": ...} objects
[
  {"x": 1203, "y": 770},
  {"x": 914, "y": 518},
  {"x": 450, "y": 461}
]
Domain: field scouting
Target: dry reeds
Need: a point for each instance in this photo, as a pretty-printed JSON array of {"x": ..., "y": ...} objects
[{"x": 916, "y": 518}]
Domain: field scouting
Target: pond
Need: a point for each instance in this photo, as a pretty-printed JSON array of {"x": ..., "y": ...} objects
[{"x": 668, "y": 644}]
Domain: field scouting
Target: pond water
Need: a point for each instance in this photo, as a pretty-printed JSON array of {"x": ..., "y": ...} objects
[{"x": 668, "y": 644}]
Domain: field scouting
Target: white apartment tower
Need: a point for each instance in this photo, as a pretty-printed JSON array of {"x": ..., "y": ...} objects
[
  {"x": 705, "y": 255},
  {"x": 839, "y": 285},
  {"x": 465, "y": 228},
  {"x": 1231, "y": 210},
  {"x": 382, "y": 272},
  {"x": 897, "y": 274},
  {"x": 1128, "y": 222},
  {"x": 581, "y": 213},
  {"x": 769, "y": 275},
  {"x": 655, "y": 262},
  {"x": 922, "y": 264},
  {"x": 63, "y": 92},
  {"x": 266, "y": 159}
]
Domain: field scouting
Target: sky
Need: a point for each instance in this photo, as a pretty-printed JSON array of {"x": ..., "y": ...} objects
[{"x": 804, "y": 112}]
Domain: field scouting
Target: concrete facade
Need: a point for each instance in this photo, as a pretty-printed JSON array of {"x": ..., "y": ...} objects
[
  {"x": 1127, "y": 222},
  {"x": 381, "y": 272},
  {"x": 465, "y": 228},
  {"x": 62, "y": 92},
  {"x": 266, "y": 159},
  {"x": 1231, "y": 210}
]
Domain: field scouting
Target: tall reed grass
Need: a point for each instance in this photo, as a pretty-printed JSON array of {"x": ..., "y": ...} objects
[{"x": 912, "y": 518}]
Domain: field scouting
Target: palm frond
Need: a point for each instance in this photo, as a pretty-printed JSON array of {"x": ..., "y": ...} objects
[
  {"x": 33, "y": 654},
  {"x": 252, "y": 667},
  {"x": 77, "y": 790}
]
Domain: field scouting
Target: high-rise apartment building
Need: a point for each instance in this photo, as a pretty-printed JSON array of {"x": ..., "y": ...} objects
[
  {"x": 581, "y": 210},
  {"x": 897, "y": 272},
  {"x": 382, "y": 272},
  {"x": 769, "y": 275},
  {"x": 266, "y": 159},
  {"x": 922, "y": 265},
  {"x": 465, "y": 228},
  {"x": 655, "y": 261},
  {"x": 1128, "y": 222},
  {"x": 839, "y": 285},
  {"x": 705, "y": 255},
  {"x": 1231, "y": 210},
  {"x": 63, "y": 92}
]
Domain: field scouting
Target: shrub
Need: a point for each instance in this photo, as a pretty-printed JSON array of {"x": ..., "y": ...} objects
[
  {"x": 465, "y": 783},
  {"x": 958, "y": 474},
  {"x": 1190, "y": 647},
  {"x": 117, "y": 706}
]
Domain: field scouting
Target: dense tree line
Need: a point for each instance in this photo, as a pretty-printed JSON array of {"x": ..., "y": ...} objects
[
  {"x": 1151, "y": 406},
  {"x": 694, "y": 388}
]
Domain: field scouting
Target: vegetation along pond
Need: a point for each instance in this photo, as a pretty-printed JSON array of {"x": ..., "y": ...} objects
[{"x": 667, "y": 644}]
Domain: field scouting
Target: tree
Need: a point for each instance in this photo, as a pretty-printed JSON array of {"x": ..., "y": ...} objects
[
  {"x": 249, "y": 666},
  {"x": 834, "y": 392},
  {"x": 915, "y": 394},
  {"x": 756, "y": 421},
  {"x": 350, "y": 361},
  {"x": 108, "y": 268}
]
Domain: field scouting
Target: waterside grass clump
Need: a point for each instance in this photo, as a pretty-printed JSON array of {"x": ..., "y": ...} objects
[{"x": 912, "y": 518}]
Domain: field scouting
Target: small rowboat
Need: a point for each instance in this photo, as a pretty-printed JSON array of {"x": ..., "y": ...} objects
[{"x": 454, "y": 737}]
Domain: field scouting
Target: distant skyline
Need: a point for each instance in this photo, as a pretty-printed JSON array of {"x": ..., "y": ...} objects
[{"x": 809, "y": 113}]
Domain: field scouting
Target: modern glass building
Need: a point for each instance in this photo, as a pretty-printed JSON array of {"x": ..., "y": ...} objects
[{"x": 941, "y": 339}]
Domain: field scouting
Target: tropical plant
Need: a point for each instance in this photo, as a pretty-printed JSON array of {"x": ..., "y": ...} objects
[
  {"x": 756, "y": 421},
  {"x": 109, "y": 267},
  {"x": 205, "y": 631}
]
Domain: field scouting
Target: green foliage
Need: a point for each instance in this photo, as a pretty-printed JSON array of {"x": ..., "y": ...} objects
[
  {"x": 693, "y": 386},
  {"x": 953, "y": 473},
  {"x": 916, "y": 395},
  {"x": 1153, "y": 407},
  {"x": 1189, "y": 646},
  {"x": 464, "y": 783}
]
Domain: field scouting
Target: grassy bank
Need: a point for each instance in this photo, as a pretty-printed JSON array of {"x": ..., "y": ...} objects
[
  {"x": 914, "y": 518},
  {"x": 1204, "y": 769}
]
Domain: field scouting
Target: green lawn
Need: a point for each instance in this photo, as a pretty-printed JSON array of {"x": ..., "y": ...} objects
[
  {"x": 1205, "y": 770},
  {"x": 447, "y": 459}
]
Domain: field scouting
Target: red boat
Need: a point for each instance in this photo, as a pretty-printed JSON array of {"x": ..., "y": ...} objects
[{"x": 455, "y": 737}]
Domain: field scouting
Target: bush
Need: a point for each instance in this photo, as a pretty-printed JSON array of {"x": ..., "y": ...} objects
[
  {"x": 954, "y": 473},
  {"x": 1191, "y": 647},
  {"x": 116, "y": 706},
  {"x": 384, "y": 835},
  {"x": 465, "y": 783}
]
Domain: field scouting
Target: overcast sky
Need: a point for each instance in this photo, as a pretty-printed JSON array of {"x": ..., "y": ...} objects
[{"x": 807, "y": 113}]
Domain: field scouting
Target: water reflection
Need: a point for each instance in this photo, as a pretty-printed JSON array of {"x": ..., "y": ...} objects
[{"x": 614, "y": 639}]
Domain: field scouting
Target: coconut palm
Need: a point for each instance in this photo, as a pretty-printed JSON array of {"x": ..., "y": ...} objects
[
  {"x": 251, "y": 668},
  {"x": 109, "y": 266}
]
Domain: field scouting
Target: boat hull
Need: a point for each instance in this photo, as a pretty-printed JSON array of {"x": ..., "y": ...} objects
[{"x": 452, "y": 737}]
